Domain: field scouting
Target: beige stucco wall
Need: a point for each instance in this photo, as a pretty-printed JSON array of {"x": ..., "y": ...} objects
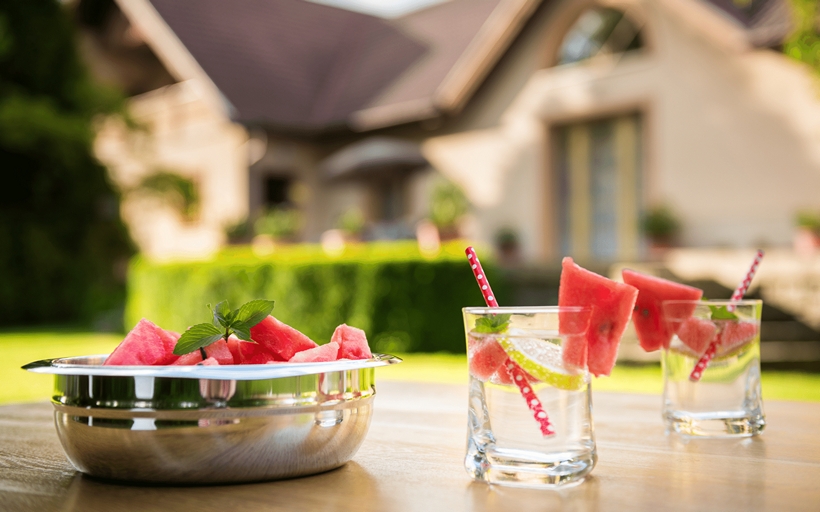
[
  {"x": 180, "y": 133},
  {"x": 731, "y": 134}
]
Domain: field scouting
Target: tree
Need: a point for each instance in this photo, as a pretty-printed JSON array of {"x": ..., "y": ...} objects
[
  {"x": 804, "y": 42},
  {"x": 61, "y": 235}
]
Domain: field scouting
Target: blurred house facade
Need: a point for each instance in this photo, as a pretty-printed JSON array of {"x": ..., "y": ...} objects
[{"x": 564, "y": 120}]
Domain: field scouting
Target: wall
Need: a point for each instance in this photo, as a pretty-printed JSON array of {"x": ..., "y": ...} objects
[
  {"x": 179, "y": 132},
  {"x": 731, "y": 134}
]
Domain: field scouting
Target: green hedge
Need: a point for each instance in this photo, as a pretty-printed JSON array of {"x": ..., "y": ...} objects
[{"x": 403, "y": 301}]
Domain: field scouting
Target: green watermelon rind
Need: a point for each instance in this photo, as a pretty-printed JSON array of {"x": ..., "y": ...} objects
[{"x": 552, "y": 376}]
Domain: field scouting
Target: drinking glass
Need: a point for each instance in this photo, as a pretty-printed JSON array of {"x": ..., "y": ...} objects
[
  {"x": 723, "y": 398},
  {"x": 505, "y": 441}
]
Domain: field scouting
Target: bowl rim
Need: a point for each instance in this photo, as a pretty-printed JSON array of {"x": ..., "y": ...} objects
[{"x": 78, "y": 366}]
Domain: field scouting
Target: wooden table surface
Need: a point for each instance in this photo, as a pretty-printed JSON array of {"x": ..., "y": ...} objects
[{"x": 412, "y": 460}]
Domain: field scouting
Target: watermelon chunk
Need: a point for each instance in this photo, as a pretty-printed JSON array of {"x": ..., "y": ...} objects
[
  {"x": 280, "y": 339},
  {"x": 737, "y": 334},
  {"x": 486, "y": 357},
  {"x": 611, "y": 304},
  {"x": 217, "y": 351},
  {"x": 574, "y": 350},
  {"x": 254, "y": 353},
  {"x": 210, "y": 362},
  {"x": 697, "y": 333},
  {"x": 653, "y": 331},
  {"x": 326, "y": 352},
  {"x": 352, "y": 343},
  {"x": 145, "y": 344}
]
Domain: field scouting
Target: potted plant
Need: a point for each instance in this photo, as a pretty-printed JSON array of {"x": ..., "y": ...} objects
[
  {"x": 279, "y": 225},
  {"x": 807, "y": 235},
  {"x": 448, "y": 204},
  {"x": 661, "y": 228},
  {"x": 508, "y": 244}
]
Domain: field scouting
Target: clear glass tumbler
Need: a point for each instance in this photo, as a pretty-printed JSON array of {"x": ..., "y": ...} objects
[
  {"x": 512, "y": 352},
  {"x": 722, "y": 398}
]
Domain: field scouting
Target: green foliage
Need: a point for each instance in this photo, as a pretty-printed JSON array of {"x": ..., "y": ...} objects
[
  {"x": 60, "y": 232},
  {"x": 279, "y": 223},
  {"x": 177, "y": 191},
  {"x": 804, "y": 42},
  {"x": 447, "y": 205},
  {"x": 403, "y": 301},
  {"x": 660, "y": 224},
  {"x": 809, "y": 220},
  {"x": 352, "y": 221}
]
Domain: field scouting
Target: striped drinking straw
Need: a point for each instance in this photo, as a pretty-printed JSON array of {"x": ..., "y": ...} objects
[
  {"x": 519, "y": 375},
  {"x": 738, "y": 294}
]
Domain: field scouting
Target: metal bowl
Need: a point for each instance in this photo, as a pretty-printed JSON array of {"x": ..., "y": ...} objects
[{"x": 210, "y": 424}]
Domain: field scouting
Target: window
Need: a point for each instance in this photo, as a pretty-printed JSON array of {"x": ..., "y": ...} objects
[
  {"x": 599, "y": 31},
  {"x": 598, "y": 185},
  {"x": 277, "y": 192}
]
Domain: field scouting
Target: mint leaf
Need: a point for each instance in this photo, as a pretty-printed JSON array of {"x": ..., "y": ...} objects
[
  {"x": 224, "y": 323},
  {"x": 722, "y": 313},
  {"x": 242, "y": 333},
  {"x": 251, "y": 313},
  {"x": 492, "y": 324},
  {"x": 196, "y": 337},
  {"x": 222, "y": 314}
]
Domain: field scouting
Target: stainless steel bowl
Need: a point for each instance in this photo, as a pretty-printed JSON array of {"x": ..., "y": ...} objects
[{"x": 210, "y": 424}]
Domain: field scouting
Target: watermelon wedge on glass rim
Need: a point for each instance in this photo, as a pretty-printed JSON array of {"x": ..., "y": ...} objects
[
  {"x": 611, "y": 304},
  {"x": 653, "y": 332}
]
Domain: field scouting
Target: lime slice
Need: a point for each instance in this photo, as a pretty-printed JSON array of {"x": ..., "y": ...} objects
[{"x": 542, "y": 360}]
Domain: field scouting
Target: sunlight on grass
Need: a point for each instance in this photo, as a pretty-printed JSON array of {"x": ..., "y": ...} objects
[
  {"x": 19, "y": 348},
  {"x": 452, "y": 369}
]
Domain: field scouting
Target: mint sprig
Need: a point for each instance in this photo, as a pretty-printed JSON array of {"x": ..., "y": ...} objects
[
  {"x": 493, "y": 324},
  {"x": 225, "y": 322},
  {"x": 722, "y": 313}
]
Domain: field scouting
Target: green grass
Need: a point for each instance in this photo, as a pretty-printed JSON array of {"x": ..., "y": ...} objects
[
  {"x": 19, "y": 348},
  {"x": 448, "y": 368}
]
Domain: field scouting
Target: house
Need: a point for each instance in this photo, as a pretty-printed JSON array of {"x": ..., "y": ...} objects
[{"x": 562, "y": 120}]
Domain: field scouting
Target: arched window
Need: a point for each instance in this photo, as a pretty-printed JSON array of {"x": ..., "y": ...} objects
[{"x": 600, "y": 31}]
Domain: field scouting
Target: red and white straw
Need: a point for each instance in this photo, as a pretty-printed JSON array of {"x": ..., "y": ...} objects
[
  {"x": 518, "y": 374},
  {"x": 737, "y": 295}
]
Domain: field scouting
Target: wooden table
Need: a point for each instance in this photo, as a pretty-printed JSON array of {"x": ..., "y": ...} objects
[{"x": 412, "y": 460}]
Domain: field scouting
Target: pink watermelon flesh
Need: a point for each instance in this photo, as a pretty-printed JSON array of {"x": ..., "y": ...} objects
[
  {"x": 653, "y": 331},
  {"x": 503, "y": 376},
  {"x": 169, "y": 341},
  {"x": 352, "y": 343},
  {"x": 233, "y": 346},
  {"x": 144, "y": 345},
  {"x": 326, "y": 352},
  {"x": 218, "y": 351},
  {"x": 574, "y": 350},
  {"x": 611, "y": 303},
  {"x": 486, "y": 357},
  {"x": 210, "y": 362},
  {"x": 697, "y": 333},
  {"x": 737, "y": 334},
  {"x": 253, "y": 353},
  {"x": 280, "y": 339}
]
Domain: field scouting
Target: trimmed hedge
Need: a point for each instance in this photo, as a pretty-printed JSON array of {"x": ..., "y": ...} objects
[{"x": 403, "y": 301}]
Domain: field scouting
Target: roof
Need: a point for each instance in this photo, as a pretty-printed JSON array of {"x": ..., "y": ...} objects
[
  {"x": 767, "y": 22},
  {"x": 308, "y": 67},
  {"x": 298, "y": 66}
]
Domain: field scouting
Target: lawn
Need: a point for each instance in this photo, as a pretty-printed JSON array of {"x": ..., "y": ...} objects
[{"x": 19, "y": 348}]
